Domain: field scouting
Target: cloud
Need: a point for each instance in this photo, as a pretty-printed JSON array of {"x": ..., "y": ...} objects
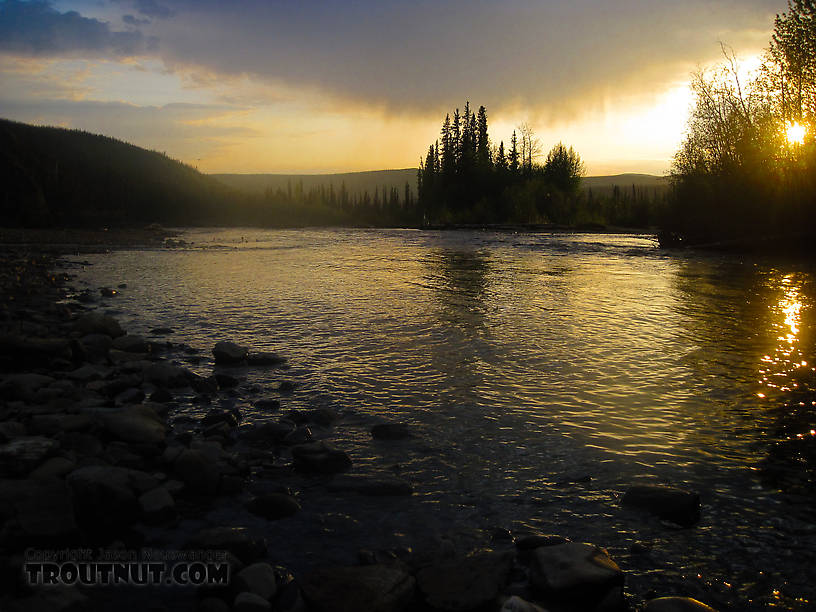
[
  {"x": 135, "y": 21},
  {"x": 37, "y": 29},
  {"x": 422, "y": 56}
]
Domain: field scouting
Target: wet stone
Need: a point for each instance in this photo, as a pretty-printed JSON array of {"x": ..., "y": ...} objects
[
  {"x": 320, "y": 457},
  {"x": 21, "y": 455},
  {"x": 98, "y": 323},
  {"x": 669, "y": 503},
  {"x": 579, "y": 572},
  {"x": 265, "y": 359},
  {"x": 517, "y": 604},
  {"x": 229, "y": 353},
  {"x": 267, "y": 405},
  {"x": 374, "y": 588},
  {"x": 131, "y": 344},
  {"x": 157, "y": 506},
  {"x": 273, "y": 506},
  {"x": 391, "y": 431},
  {"x": 258, "y": 578},
  {"x": 250, "y": 602},
  {"x": 467, "y": 583}
]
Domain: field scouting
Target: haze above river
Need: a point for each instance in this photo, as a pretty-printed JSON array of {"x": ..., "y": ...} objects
[{"x": 542, "y": 373}]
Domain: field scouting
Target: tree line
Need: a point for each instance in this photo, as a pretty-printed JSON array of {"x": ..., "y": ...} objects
[
  {"x": 746, "y": 171},
  {"x": 465, "y": 178}
]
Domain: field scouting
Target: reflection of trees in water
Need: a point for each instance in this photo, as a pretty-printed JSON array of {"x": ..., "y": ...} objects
[
  {"x": 460, "y": 280},
  {"x": 753, "y": 324}
]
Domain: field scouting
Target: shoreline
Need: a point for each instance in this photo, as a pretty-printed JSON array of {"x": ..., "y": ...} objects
[{"x": 134, "y": 433}]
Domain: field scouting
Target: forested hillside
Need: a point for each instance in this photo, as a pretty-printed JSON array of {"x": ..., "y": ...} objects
[{"x": 54, "y": 176}]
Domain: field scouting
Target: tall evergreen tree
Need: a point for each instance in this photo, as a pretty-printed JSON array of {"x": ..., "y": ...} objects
[{"x": 514, "y": 155}]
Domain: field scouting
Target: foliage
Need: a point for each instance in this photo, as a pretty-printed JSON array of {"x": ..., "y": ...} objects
[
  {"x": 463, "y": 179},
  {"x": 736, "y": 176}
]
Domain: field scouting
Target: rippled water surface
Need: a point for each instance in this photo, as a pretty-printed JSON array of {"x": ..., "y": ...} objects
[{"x": 543, "y": 374}]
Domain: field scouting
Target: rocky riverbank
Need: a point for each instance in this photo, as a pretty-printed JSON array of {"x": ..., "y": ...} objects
[{"x": 97, "y": 466}]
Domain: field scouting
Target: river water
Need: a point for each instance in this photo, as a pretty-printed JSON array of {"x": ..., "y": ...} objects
[{"x": 542, "y": 373}]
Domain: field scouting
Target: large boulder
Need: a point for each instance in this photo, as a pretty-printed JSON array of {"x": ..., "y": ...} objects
[
  {"x": 198, "y": 471},
  {"x": 106, "y": 497},
  {"x": 229, "y": 353},
  {"x": 98, "y": 323},
  {"x": 21, "y": 455},
  {"x": 258, "y": 578},
  {"x": 320, "y": 458},
  {"x": 273, "y": 506},
  {"x": 168, "y": 375},
  {"x": 468, "y": 583},
  {"x": 18, "y": 352},
  {"x": 157, "y": 506},
  {"x": 135, "y": 424},
  {"x": 43, "y": 510},
  {"x": 583, "y": 574},
  {"x": 669, "y": 503},
  {"x": 131, "y": 344},
  {"x": 374, "y": 588}
]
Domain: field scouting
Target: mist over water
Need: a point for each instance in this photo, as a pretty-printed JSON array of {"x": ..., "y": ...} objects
[{"x": 542, "y": 373}]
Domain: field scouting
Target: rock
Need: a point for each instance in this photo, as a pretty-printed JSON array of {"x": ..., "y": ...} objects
[
  {"x": 258, "y": 578},
  {"x": 239, "y": 541},
  {"x": 530, "y": 542},
  {"x": 161, "y": 396},
  {"x": 250, "y": 602},
  {"x": 21, "y": 455},
  {"x": 265, "y": 359},
  {"x": 95, "y": 347},
  {"x": 162, "y": 331},
  {"x": 216, "y": 416},
  {"x": 212, "y": 604},
  {"x": 582, "y": 573},
  {"x": 517, "y": 604},
  {"x": 157, "y": 506},
  {"x": 107, "y": 292},
  {"x": 52, "y": 424},
  {"x": 373, "y": 588},
  {"x": 319, "y": 416},
  {"x": 374, "y": 487},
  {"x": 18, "y": 352},
  {"x": 301, "y": 435},
  {"x": 273, "y": 506},
  {"x": 197, "y": 471},
  {"x": 267, "y": 405},
  {"x": 229, "y": 353},
  {"x": 20, "y": 386},
  {"x": 136, "y": 424},
  {"x": 51, "y": 599},
  {"x": 287, "y": 386},
  {"x": 225, "y": 381},
  {"x": 98, "y": 323},
  {"x": 131, "y": 344},
  {"x": 676, "y": 604},
  {"x": 391, "y": 431},
  {"x": 105, "y": 497},
  {"x": 675, "y": 505},
  {"x": 43, "y": 509},
  {"x": 88, "y": 373},
  {"x": 467, "y": 583},
  {"x": 83, "y": 444},
  {"x": 10, "y": 430},
  {"x": 134, "y": 395},
  {"x": 56, "y": 467},
  {"x": 267, "y": 432},
  {"x": 164, "y": 374},
  {"x": 320, "y": 457}
]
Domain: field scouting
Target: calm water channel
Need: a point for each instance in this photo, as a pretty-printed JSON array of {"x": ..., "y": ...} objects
[{"x": 543, "y": 375}]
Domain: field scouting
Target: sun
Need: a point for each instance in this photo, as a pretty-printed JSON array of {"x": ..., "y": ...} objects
[{"x": 795, "y": 133}]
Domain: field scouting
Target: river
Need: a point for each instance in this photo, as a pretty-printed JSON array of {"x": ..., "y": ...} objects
[{"x": 542, "y": 373}]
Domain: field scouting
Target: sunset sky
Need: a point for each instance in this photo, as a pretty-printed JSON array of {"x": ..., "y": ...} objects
[{"x": 335, "y": 86}]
